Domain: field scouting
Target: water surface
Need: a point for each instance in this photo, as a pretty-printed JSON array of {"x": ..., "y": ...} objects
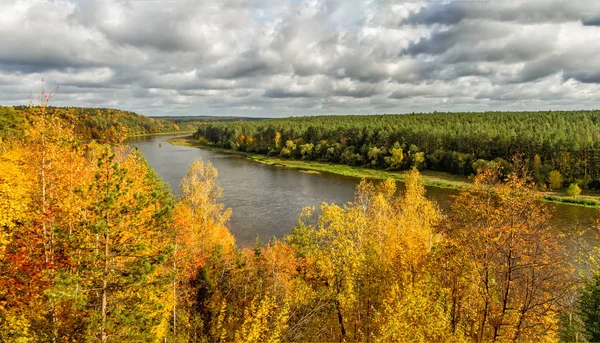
[{"x": 265, "y": 200}]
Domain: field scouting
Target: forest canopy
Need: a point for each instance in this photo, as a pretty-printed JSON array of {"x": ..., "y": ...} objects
[{"x": 564, "y": 142}]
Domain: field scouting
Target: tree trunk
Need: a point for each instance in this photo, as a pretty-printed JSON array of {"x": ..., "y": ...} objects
[
  {"x": 105, "y": 287},
  {"x": 175, "y": 293},
  {"x": 340, "y": 321}
]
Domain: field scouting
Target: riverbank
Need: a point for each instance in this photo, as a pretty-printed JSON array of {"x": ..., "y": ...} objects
[
  {"x": 161, "y": 134},
  {"x": 430, "y": 178}
]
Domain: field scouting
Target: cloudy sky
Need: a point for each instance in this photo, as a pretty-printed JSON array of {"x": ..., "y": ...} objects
[{"x": 298, "y": 57}]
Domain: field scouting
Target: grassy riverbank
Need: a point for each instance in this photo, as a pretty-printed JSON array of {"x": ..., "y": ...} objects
[{"x": 430, "y": 178}]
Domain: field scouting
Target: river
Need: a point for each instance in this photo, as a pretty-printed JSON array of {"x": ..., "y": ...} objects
[{"x": 266, "y": 200}]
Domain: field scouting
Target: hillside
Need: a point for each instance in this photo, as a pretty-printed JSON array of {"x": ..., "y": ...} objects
[{"x": 102, "y": 124}]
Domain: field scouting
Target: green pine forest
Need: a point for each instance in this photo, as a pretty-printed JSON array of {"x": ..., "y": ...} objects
[{"x": 560, "y": 147}]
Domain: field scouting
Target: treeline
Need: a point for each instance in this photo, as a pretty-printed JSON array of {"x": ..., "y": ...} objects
[
  {"x": 205, "y": 119},
  {"x": 101, "y": 124},
  {"x": 459, "y": 143},
  {"x": 93, "y": 247}
]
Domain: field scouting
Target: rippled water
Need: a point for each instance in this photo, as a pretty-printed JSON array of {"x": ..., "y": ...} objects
[{"x": 266, "y": 200}]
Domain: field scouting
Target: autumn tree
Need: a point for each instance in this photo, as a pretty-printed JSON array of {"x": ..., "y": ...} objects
[
  {"x": 200, "y": 233},
  {"x": 83, "y": 238},
  {"x": 16, "y": 184},
  {"x": 371, "y": 257},
  {"x": 38, "y": 252},
  {"x": 508, "y": 268}
]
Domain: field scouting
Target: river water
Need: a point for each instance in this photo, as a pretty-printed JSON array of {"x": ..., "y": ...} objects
[{"x": 266, "y": 200}]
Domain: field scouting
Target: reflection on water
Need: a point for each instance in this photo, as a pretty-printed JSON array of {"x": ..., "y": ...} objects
[{"x": 266, "y": 200}]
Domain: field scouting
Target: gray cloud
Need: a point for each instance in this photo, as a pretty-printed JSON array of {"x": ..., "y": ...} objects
[
  {"x": 297, "y": 57},
  {"x": 284, "y": 93},
  {"x": 525, "y": 12},
  {"x": 591, "y": 21},
  {"x": 590, "y": 77}
]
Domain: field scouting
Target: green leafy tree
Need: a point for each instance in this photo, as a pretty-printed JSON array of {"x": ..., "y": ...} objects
[
  {"x": 419, "y": 160},
  {"x": 126, "y": 266},
  {"x": 536, "y": 165},
  {"x": 555, "y": 179},
  {"x": 289, "y": 149},
  {"x": 306, "y": 150},
  {"x": 11, "y": 124},
  {"x": 374, "y": 153},
  {"x": 396, "y": 157}
]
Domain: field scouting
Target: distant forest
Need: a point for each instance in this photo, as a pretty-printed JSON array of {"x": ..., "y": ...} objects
[
  {"x": 101, "y": 124},
  {"x": 187, "y": 119},
  {"x": 560, "y": 147}
]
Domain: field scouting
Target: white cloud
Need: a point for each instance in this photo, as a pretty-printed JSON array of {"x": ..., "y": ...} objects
[{"x": 296, "y": 57}]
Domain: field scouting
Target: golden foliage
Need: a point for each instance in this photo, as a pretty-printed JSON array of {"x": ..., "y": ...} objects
[
  {"x": 92, "y": 248},
  {"x": 508, "y": 268}
]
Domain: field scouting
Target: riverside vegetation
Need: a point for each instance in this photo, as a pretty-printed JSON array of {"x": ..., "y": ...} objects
[
  {"x": 560, "y": 148},
  {"x": 93, "y": 247}
]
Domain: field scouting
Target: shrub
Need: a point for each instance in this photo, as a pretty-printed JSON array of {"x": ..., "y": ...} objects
[{"x": 573, "y": 190}]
